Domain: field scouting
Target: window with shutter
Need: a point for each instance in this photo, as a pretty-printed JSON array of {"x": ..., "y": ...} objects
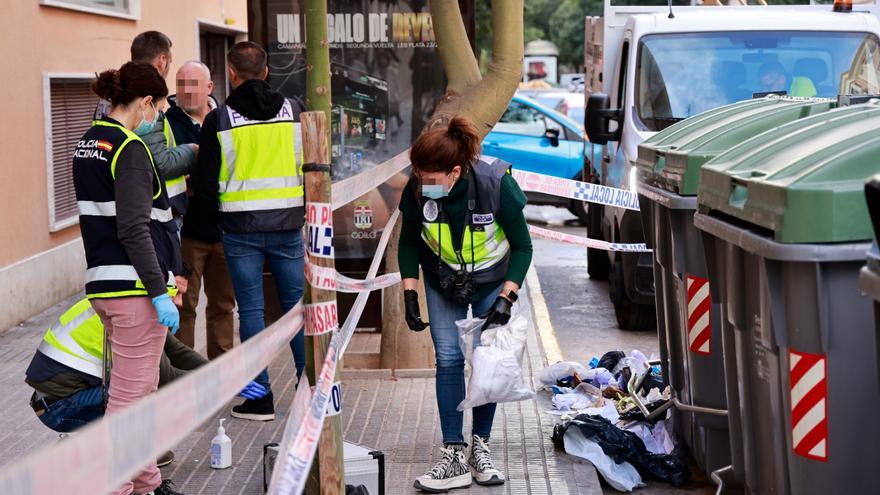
[{"x": 72, "y": 107}]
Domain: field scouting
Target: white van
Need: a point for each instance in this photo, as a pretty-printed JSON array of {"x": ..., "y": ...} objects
[{"x": 661, "y": 67}]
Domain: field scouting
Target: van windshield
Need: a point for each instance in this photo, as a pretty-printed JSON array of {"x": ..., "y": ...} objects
[{"x": 680, "y": 75}]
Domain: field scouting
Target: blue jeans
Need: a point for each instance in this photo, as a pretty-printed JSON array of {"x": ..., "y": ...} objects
[
  {"x": 442, "y": 314},
  {"x": 78, "y": 410},
  {"x": 245, "y": 256}
]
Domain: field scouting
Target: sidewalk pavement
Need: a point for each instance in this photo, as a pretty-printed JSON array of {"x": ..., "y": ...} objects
[{"x": 396, "y": 415}]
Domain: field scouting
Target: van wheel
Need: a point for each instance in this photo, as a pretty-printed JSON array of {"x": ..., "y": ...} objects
[
  {"x": 630, "y": 315},
  {"x": 598, "y": 263}
]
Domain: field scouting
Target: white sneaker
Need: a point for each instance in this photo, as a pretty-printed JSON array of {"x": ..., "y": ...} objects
[
  {"x": 481, "y": 464},
  {"x": 450, "y": 472}
]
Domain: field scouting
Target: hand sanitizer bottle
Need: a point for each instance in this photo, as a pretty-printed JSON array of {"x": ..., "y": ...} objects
[{"x": 221, "y": 449}]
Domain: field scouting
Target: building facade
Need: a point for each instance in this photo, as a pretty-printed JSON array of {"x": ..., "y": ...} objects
[{"x": 52, "y": 50}]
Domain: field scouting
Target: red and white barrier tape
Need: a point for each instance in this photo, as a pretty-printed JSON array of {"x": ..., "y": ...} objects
[
  {"x": 587, "y": 242},
  {"x": 297, "y": 458},
  {"x": 578, "y": 190},
  {"x": 329, "y": 279},
  {"x": 350, "y": 189}
]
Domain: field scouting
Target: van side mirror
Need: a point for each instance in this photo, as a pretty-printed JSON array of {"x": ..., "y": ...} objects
[
  {"x": 553, "y": 136},
  {"x": 598, "y": 117}
]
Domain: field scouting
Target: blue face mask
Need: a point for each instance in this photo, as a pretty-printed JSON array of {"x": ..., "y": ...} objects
[
  {"x": 146, "y": 127},
  {"x": 434, "y": 191}
]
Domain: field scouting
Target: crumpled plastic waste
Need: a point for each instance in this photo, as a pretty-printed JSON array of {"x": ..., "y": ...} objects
[
  {"x": 657, "y": 438},
  {"x": 574, "y": 401},
  {"x": 602, "y": 377},
  {"x": 625, "y": 446},
  {"x": 552, "y": 374},
  {"x": 622, "y": 476}
]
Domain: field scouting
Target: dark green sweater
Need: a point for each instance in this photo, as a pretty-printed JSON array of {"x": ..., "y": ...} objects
[{"x": 510, "y": 218}]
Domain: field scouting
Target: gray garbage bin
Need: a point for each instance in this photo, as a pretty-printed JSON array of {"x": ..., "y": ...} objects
[
  {"x": 688, "y": 315},
  {"x": 785, "y": 233}
]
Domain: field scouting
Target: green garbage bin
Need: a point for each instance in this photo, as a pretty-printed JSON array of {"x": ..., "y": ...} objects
[
  {"x": 688, "y": 316},
  {"x": 785, "y": 234}
]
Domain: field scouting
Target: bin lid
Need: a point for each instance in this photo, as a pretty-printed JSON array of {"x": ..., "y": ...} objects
[
  {"x": 802, "y": 182},
  {"x": 672, "y": 158}
]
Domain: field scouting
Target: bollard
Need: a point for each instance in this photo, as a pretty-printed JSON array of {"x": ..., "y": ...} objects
[{"x": 321, "y": 315}]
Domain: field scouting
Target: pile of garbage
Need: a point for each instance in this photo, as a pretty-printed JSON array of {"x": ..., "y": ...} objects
[{"x": 616, "y": 414}]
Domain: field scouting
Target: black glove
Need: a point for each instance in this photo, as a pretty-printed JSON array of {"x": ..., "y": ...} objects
[
  {"x": 499, "y": 314},
  {"x": 411, "y": 308}
]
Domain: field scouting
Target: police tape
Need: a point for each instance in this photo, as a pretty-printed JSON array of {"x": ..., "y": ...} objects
[
  {"x": 327, "y": 278},
  {"x": 296, "y": 449},
  {"x": 107, "y": 453},
  {"x": 350, "y": 189},
  {"x": 578, "y": 190},
  {"x": 296, "y": 459},
  {"x": 587, "y": 242}
]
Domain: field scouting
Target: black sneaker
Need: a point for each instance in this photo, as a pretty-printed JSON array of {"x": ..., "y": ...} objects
[
  {"x": 450, "y": 472},
  {"x": 166, "y": 488},
  {"x": 256, "y": 409},
  {"x": 165, "y": 459}
]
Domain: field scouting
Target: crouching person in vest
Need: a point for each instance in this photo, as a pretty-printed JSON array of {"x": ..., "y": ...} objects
[
  {"x": 250, "y": 168},
  {"x": 67, "y": 369},
  {"x": 130, "y": 240},
  {"x": 463, "y": 224}
]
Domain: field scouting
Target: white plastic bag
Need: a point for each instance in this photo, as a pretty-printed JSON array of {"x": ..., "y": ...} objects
[{"x": 495, "y": 356}]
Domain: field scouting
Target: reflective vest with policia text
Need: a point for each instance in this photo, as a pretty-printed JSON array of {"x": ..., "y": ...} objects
[
  {"x": 76, "y": 340},
  {"x": 261, "y": 181},
  {"x": 176, "y": 187},
  {"x": 484, "y": 250},
  {"x": 110, "y": 272}
]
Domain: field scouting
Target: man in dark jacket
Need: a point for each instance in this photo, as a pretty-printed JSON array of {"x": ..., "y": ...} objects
[
  {"x": 250, "y": 169},
  {"x": 200, "y": 238}
]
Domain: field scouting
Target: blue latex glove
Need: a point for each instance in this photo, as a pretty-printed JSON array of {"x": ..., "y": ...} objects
[
  {"x": 253, "y": 390},
  {"x": 167, "y": 311}
]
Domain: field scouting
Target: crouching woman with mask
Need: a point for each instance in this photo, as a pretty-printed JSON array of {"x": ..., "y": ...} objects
[{"x": 463, "y": 224}]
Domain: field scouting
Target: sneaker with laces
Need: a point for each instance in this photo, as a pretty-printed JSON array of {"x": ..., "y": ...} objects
[
  {"x": 450, "y": 472},
  {"x": 166, "y": 488},
  {"x": 480, "y": 462},
  {"x": 256, "y": 409}
]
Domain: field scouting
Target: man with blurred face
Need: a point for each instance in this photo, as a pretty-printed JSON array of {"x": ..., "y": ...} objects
[{"x": 200, "y": 238}]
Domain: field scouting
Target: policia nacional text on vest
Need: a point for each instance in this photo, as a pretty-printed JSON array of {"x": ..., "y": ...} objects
[
  {"x": 484, "y": 251},
  {"x": 261, "y": 181},
  {"x": 110, "y": 272}
]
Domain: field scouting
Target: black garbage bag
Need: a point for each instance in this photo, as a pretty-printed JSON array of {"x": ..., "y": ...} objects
[
  {"x": 626, "y": 446},
  {"x": 610, "y": 359}
]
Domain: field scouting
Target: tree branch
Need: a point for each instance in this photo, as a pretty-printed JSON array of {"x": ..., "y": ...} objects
[
  {"x": 462, "y": 69},
  {"x": 485, "y": 101}
]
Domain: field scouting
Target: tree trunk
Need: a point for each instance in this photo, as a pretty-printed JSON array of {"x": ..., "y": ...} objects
[{"x": 481, "y": 98}]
